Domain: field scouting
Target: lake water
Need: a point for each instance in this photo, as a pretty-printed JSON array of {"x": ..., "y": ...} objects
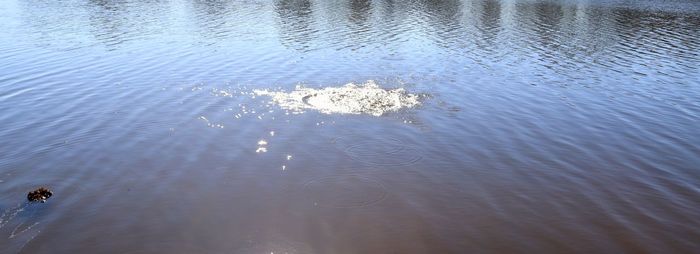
[{"x": 544, "y": 127}]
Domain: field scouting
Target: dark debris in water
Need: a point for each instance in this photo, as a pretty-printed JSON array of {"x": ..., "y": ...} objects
[{"x": 39, "y": 195}]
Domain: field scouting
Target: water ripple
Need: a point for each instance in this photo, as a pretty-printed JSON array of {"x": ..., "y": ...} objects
[{"x": 546, "y": 119}]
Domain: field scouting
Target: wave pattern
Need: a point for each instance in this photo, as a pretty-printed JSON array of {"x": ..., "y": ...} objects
[{"x": 554, "y": 126}]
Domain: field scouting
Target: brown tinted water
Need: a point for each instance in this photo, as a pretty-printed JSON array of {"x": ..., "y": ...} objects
[{"x": 545, "y": 127}]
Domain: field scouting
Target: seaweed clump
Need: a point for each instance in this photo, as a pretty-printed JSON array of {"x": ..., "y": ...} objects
[{"x": 39, "y": 195}]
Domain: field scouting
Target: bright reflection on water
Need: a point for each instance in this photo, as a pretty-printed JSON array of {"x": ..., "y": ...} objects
[{"x": 547, "y": 127}]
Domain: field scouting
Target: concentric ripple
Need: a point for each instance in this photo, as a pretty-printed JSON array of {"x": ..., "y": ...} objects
[{"x": 382, "y": 151}]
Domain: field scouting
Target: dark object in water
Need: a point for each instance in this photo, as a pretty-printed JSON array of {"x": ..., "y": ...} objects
[{"x": 39, "y": 195}]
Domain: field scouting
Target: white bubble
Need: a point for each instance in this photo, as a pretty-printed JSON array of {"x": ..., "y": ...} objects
[{"x": 367, "y": 98}]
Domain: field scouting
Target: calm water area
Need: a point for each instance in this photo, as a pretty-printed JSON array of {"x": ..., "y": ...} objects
[{"x": 544, "y": 126}]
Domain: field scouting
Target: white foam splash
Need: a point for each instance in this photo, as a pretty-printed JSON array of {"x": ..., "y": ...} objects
[{"x": 367, "y": 98}]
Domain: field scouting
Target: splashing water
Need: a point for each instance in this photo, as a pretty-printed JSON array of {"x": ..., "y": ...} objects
[{"x": 367, "y": 98}]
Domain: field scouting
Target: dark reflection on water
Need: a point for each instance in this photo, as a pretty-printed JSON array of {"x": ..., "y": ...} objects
[
  {"x": 295, "y": 25},
  {"x": 549, "y": 127}
]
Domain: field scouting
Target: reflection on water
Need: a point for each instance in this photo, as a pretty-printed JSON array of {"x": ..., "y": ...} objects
[
  {"x": 548, "y": 126},
  {"x": 295, "y": 25}
]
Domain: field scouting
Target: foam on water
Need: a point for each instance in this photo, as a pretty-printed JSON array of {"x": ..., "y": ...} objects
[{"x": 367, "y": 98}]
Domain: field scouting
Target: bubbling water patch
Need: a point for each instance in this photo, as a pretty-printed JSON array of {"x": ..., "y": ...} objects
[{"x": 367, "y": 98}]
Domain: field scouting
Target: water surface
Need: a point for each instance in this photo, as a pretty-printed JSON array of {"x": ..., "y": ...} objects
[{"x": 547, "y": 127}]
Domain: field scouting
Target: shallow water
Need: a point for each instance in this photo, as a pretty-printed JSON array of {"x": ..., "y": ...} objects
[{"x": 546, "y": 127}]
